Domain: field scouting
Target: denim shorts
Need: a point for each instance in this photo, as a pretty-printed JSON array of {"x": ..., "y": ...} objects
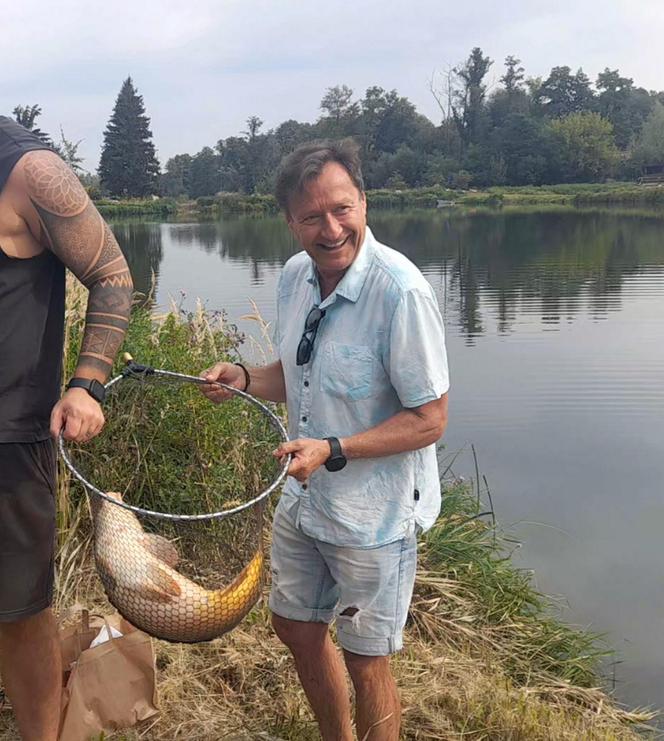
[{"x": 367, "y": 590}]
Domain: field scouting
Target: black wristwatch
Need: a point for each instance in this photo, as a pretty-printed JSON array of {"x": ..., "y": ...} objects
[
  {"x": 337, "y": 459},
  {"x": 96, "y": 390}
]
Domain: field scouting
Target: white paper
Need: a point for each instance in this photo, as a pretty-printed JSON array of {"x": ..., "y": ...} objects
[{"x": 103, "y": 636}]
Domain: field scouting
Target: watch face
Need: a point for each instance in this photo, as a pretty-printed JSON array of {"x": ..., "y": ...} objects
[
  {"x": 97, "y": 390},
  {"x": 336, "y": 463}
]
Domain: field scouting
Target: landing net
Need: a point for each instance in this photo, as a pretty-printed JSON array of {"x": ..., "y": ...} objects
[{"x": 178, "y": 488}]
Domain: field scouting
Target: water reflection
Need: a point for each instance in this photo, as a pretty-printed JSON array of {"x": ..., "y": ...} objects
[
  {"x": 550, "y": 264},
  {"x": 508, "y": 266},
  {"x": 141, "y": 243},
  {"x": 266, "y": 240}
]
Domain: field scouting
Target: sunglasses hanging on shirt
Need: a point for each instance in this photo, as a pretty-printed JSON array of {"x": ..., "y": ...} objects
[{"x": 306, "y": 344}]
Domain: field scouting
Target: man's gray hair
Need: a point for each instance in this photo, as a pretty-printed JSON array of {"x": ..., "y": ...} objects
[{"x": 306, "y": 163}]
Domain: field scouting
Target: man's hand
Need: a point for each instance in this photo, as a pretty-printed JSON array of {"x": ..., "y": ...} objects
[
  {"x": 78, "y": 416},
  {"x": 308, "y": 455},
  {"x": 228, "y": 373}
]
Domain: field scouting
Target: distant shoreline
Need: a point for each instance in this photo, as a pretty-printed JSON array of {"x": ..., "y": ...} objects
[{"x": 583, "y": 194}]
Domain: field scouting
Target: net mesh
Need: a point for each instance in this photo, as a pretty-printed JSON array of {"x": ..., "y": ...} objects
[{"x": 166, "y": 449}]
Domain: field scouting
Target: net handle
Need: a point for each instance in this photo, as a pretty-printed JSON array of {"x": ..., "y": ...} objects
[{"x": 137, "y": 371}]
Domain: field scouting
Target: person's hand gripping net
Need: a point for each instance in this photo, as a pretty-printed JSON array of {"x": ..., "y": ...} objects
[{"x": 228, "y": 373}]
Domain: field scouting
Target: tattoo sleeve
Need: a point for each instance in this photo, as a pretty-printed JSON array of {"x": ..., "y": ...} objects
[{"x": 82, "y": 240}]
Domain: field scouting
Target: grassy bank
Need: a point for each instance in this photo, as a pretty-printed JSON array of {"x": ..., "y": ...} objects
[
  {"x": 607, "y": 194},
  {"x": 486, "y": 657},
  {"x": 161, "y": 207}
]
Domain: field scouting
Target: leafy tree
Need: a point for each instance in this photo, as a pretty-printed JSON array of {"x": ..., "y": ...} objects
[
  {"x": 128, "y": 164},
  {"x": 338, "y": 103},
  {"x": 257, "y": 155},
  {"x": 233, "y": 157},
  {"x": 624, "y": 105},
  {"x": 175, "y": 180},
  {"x": 512, "y": 98},
  {"x": 470, "y": 112},
  {"x": 254, "y": 124},
  {"x": 340, "y": 114},
  {"x": 563, "y": 93},
  {"x": 91, "y": 184},
  {"x": 26, "y": 116},
  {"x": 476, "y": 161},
  {"x": 438, "y": 169},
  {"x": 650, "y": 146},
  {"x": 584, "y": 147},
  {"x": 450, "y": 141},
  {"x": 523, "y": 145},
  {"x": 290, "y": 134},
  {"x": 68, "y": 150},
  {"x": 514, "y": 75},
  {"x": 502, "y": 105},
  {"x": 204, "y": 175},
  {"x": 389, "y": 120},
  {"x": 527, "y": 131}
]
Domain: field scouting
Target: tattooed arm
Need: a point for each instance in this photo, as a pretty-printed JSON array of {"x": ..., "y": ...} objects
[{"x": 72, "y": 228}]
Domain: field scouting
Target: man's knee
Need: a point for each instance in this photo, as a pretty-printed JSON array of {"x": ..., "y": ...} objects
[
  {"x": 299, "y": 636},
  {"x": 367, "y": 668}
]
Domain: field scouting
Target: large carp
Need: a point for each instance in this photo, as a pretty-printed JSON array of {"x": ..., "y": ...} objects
[{"x": 138, "y": 572}]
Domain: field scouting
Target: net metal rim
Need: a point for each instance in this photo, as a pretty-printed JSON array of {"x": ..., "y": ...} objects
[{"x": 272, "y": 417}]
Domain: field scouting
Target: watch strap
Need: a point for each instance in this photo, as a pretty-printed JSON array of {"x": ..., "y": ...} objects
[
  {"x": 96, "y": 389},
  {"x": 335, "y": 447}
]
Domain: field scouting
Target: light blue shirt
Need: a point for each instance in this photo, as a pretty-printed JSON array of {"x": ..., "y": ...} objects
[{"x": 380, "y": 347}]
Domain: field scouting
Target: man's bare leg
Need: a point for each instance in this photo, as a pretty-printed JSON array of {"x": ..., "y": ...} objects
[
  {"x": 377, "y": 704},
  {"x": 31, "y": 667},
  {"x": 321, "y": 673}
]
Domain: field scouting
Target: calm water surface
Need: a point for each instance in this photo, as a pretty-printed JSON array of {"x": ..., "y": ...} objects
[{"x": 555, "y": 324}]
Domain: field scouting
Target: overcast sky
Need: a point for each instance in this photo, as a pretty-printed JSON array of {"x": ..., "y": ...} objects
[{"x": 204, "y": 66}]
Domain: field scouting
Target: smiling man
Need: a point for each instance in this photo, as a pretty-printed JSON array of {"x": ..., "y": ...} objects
[{"x": 363, "y": 370}]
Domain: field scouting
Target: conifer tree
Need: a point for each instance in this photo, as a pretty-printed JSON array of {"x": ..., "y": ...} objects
[{"x": 128, "y": 165}]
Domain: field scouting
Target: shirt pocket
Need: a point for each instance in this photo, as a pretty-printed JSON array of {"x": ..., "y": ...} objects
[{"x": 347, "y": 371}]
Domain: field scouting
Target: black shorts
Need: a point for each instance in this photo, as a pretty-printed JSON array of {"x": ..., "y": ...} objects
[{"x": 27, "y": 528}]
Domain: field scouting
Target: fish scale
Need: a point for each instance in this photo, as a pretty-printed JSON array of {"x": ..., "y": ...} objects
[{"x": 139, "y": 578}]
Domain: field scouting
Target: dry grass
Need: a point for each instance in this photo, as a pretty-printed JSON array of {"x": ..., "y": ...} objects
[{"x": 244, "y": 687}]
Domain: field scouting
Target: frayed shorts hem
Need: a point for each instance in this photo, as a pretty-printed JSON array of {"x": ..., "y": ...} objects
[
  {"x": 369, "y": 646},
  {"x": 353, "y": 643},
  {"x": 303, "y": 614}
]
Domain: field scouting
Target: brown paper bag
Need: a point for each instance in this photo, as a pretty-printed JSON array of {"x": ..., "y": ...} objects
[{"x": 110, "y": 686}]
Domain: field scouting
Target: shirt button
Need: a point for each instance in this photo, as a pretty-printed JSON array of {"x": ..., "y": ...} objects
[
  {"x": 306, "y": 384},
  {"x": 304, "y": 487},
  {"x": 304, "y": 419}
]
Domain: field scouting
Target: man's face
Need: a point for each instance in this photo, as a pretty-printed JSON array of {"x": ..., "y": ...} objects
[{"x": 329, "y": 220}]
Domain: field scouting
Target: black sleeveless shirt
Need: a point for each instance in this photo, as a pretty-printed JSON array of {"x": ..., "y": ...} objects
[{"x": 32, "y": 302}]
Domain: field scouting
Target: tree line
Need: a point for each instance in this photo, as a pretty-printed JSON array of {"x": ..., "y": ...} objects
[{"x": 519, "y": 131}]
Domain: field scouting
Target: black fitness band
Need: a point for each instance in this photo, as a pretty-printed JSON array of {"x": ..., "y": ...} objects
[{"x": 247, "y": 377}]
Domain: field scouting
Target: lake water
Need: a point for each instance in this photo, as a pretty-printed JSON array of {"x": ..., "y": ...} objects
[{"x": 555, "y": 335}]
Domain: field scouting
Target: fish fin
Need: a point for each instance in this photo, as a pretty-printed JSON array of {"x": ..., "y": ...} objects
[
  {"x": 159, "y": 585},
  {"x": 161, "y": 548}
]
